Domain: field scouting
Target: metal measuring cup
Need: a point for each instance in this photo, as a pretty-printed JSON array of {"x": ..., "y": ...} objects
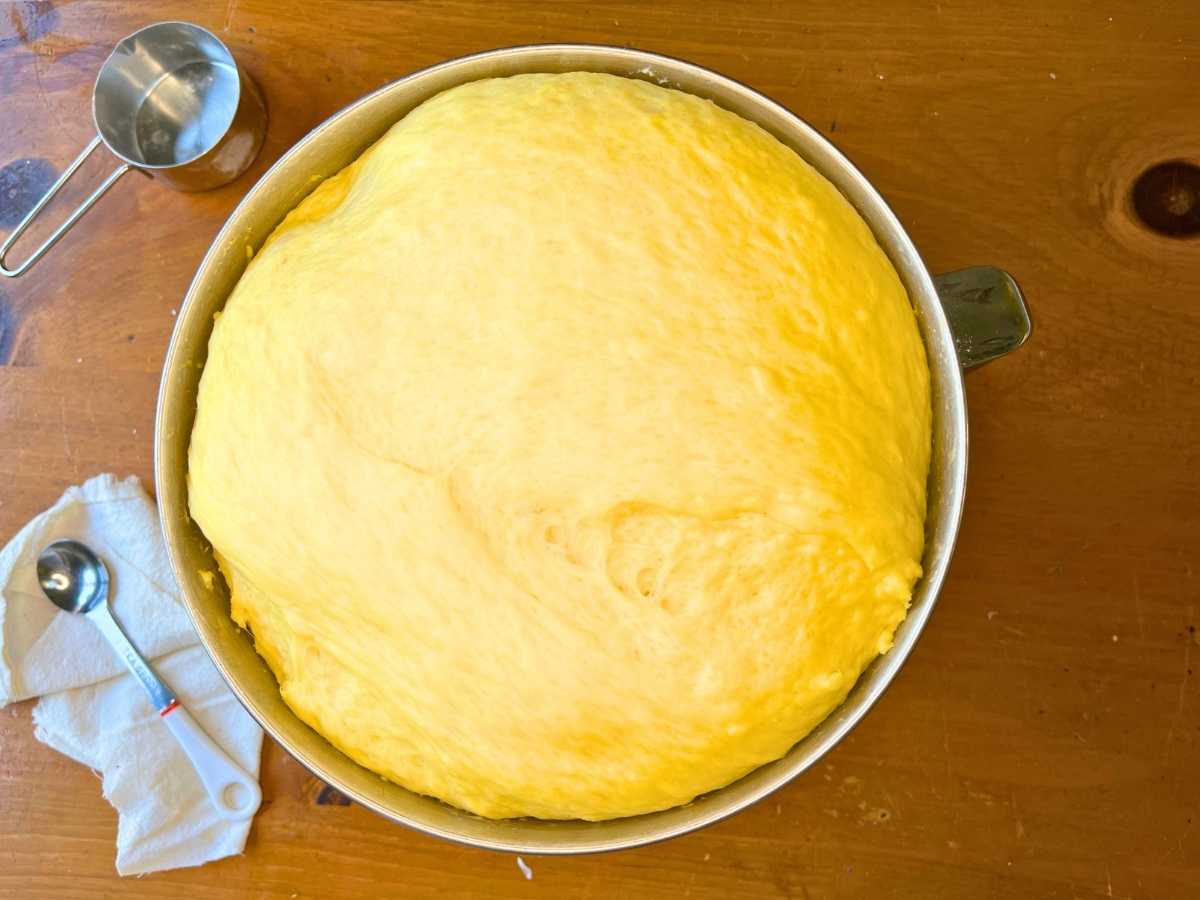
[{"x": 170, "y": 102}]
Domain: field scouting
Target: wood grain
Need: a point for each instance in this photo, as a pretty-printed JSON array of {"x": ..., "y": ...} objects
[{"x": 1044, "y": 739}]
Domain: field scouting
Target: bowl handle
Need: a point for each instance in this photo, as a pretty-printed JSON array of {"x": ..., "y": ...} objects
[{"x": 986, "y": 311}]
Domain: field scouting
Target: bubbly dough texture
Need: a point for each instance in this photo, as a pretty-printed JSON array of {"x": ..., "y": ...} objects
[{"x": 566, "y": 453}]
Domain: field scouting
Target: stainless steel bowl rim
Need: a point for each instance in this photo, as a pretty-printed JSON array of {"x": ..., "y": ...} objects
[{"x": 944, "y": 367}]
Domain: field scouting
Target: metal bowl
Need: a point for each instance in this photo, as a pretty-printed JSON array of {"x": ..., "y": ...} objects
[{"x": 983, "y": 303}]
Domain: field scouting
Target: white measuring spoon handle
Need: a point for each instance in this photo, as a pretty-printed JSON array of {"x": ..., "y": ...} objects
[{"x": 234, "y": 794}]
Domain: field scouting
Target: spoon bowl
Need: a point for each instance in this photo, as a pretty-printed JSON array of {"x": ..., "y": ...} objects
[{"x": 72, "y": 576}]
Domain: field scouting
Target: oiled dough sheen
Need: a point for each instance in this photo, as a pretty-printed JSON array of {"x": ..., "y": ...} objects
[{"x": 567, "y": 452}]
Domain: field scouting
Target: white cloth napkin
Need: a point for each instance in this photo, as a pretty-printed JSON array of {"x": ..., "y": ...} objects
[{"x": 91, "y": 709}]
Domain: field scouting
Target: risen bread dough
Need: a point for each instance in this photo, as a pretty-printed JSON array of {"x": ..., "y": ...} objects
[{"x": 566, "y": 453}]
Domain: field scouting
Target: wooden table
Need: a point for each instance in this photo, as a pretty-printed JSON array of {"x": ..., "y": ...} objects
[{"x": 1043, "y": 740}]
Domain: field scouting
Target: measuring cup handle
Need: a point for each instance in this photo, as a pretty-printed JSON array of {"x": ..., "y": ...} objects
[{"x": 71, "y": 219}]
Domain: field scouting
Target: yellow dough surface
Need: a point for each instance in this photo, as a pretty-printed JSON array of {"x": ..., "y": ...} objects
[{"x": 566, "y": 453}]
